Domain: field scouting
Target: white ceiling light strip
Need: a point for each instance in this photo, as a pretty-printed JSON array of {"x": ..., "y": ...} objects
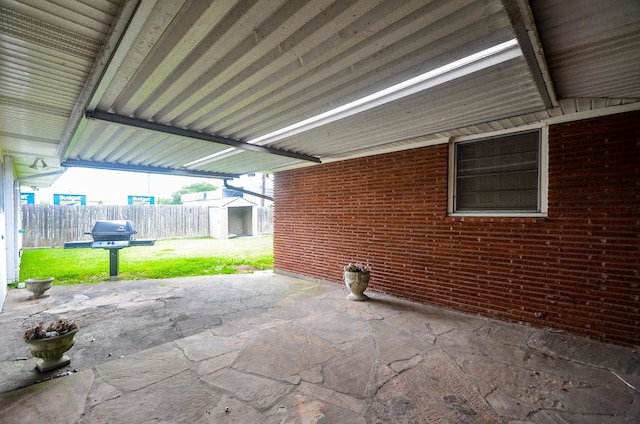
[{"x": 212, "y": 157}]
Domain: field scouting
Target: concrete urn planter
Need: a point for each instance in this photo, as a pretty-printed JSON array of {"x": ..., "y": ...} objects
[
  {"x": 38, "y": 286},
  {"x": 357, "y": 283},
  {"x": 50, "y": 350}
]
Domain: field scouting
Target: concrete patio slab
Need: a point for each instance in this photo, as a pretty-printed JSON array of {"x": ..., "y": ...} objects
[{"x": 265, "y": 348}]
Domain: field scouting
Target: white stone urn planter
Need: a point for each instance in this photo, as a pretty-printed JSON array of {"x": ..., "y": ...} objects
[
  {"x": 50, "y": 351},
  {"x": 38, "y": 286},
  {"x": 49, "y": 345},
  {"x": 356, "y": 278},
  {"x": 357, "y": 283}
]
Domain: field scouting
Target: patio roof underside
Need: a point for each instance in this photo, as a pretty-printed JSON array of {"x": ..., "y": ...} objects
[{"x": 155, "y": 85}]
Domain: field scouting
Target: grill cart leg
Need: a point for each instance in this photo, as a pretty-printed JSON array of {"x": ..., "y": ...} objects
[{"x": 113, "y": 263}]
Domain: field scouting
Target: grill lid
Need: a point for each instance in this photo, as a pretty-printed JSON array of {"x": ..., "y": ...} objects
[{"x": 113, "y": 230}]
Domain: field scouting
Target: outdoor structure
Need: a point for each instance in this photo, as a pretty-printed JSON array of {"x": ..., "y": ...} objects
[
  {"x": 480, "y": 155},
  {"x": 230, "y": 214},
  {"x": 233, "y": 217}
]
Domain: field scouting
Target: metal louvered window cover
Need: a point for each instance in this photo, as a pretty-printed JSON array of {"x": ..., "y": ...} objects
[{"x": 499, "y": 174}]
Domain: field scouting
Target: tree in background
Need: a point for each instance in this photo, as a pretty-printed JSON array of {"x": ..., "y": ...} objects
[{"x": 191, "y": 188}]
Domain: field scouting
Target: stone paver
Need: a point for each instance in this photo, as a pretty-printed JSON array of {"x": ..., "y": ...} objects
[
  {"x": 144, "y": 368},
  {"x": 264, "y": 348},
  {"x": 57, "y": 401}
]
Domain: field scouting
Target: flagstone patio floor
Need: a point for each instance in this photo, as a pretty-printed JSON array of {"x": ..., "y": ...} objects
[{"x": 267, "y": 348}]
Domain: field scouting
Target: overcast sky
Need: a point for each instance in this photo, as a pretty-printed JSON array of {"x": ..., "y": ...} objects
[{"x": 116, "y": 186}]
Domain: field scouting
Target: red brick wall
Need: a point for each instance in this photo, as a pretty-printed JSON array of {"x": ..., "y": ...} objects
[{"x": 579, "y": 267}]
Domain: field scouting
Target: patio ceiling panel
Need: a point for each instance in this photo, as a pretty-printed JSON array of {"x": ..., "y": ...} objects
[
  {"x": 243, "y": 162},
  {"x": 592, "y": 50},
  {"x": 503, "y": 94},
  {"x": 566, "y": 106},
  {"x": 432, "y": 36},
  {"x": 37, "y": 125},
  {"x": 247, "y": 53},
  {"x": 48, "y": 49},
  {"x": 115, "y": 143},
  {"x": 243, "y": 69}
]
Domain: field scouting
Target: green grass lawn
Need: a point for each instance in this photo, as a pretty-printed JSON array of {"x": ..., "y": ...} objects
[{"x": 166, "y": 259}]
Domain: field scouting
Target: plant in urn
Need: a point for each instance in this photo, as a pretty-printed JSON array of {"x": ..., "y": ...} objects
[
  {"x": 356, "y": 278},
  {"x": 49, "y": 344}
]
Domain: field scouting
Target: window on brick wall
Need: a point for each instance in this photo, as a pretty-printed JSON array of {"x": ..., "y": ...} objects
[{"x": 501, "y": 175}]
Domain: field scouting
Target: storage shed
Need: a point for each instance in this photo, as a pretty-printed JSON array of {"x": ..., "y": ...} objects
[
  {"x": 230, "y": 214},
  {"x": 232, "y": 217}
]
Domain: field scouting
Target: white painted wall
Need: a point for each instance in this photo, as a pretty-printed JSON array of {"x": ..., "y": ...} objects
[
  {"x": 10, "y": 258},
  {"x": 4, "y": 254},
  {"x": 3, "y": 262}
]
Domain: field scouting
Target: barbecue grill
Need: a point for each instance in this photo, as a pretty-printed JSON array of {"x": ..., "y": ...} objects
[{"x": 112, "y": 236}]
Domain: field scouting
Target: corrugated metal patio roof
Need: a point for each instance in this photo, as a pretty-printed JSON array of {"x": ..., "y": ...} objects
[{"x": 219, "y": 74}]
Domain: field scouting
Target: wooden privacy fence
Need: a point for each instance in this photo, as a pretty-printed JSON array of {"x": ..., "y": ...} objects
[{"x": 53, "y": 225}]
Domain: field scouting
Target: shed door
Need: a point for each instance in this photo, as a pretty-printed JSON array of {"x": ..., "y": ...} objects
[{"x": 240, "y": 221}]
